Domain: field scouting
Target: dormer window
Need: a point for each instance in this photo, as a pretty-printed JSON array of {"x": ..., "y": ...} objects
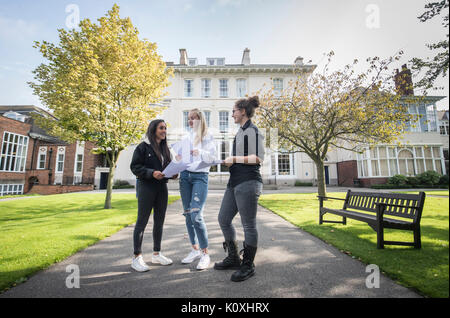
[
  {"x": 192, "y": 62},
  {"x": 215, "y": 61},
  {"x": 15, "y": 116}
]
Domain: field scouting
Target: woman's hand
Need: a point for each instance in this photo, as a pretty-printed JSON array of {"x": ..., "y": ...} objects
[
  {"x": 175, "y": 176},
  {"x": 178, "y": 157},
  {"x": 158, "y": 175},
  {"x": 228, "y": 161}
]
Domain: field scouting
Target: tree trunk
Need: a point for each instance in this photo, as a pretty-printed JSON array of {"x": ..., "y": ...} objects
[
  {"x": 112, "y": 169},
  {"x": 321, "y": 178}
]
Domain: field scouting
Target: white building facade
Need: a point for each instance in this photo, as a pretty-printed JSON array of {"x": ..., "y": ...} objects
[{"x": 215, "y": 86}]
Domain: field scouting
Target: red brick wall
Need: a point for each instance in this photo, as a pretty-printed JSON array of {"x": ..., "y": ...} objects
[
  {"x": 367, "y": 182},
  {"x": 57, "y": 189},
  {"x": 21, "y": 128},
  {"x": 347, "y": 171}
]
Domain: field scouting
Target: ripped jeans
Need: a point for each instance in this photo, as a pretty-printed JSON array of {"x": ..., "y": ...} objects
[{"x": 194, "y": 190}]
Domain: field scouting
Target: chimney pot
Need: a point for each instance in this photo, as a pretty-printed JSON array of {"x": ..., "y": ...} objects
[
  {"x": 298, "y": 60},
  {"x": 246, "y": 57},
  {"x": 183, "y": 57}
]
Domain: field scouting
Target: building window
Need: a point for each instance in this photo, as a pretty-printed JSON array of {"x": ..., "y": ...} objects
[
  {"x": 224, "y": 153},
  {"x": 60, "y": 163},
  {"x": 443, "y": 128},
  {"x": 14, "y": 152},
  {"x": 186, "y": 120},
  {"x": 42, "y": 159},
  {"x": 241, "y": 87},
  {"x": 79, "y": 163},
  {"x": 215, "y": 61},
  {"x": 207, "y": 114},
  {"x": 11, "y": 189},
  {"x": 223, "y": 121},
  {"x": 188, "y": 87},
  {"x": 389, "y": 161},
  {"x": 277, "y": 86},
  {"x": 223, "y": 87},
  {"x": 206, "y": 87},
  {"x": 282, "y": 164},
  {"x": 192, "y": 62}
]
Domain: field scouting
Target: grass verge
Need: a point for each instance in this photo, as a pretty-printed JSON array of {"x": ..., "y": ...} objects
[{"x": 425, "y": 270}]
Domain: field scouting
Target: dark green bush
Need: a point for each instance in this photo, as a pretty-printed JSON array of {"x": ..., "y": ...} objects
[
  {"x": 429, "y": 178},
  {"x": 444, "y": 180},
  {"x": 398, "y": 180}
]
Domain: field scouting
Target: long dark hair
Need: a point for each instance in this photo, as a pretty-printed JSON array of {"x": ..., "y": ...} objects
[{"x": 163, "y": 149}]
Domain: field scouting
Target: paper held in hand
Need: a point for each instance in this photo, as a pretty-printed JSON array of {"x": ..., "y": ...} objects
[
  {"x": 174, "y": 168},
  {"x": 197, "y": 165}
]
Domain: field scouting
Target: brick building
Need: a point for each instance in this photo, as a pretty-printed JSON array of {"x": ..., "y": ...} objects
[{"x": 32, "y": 161}]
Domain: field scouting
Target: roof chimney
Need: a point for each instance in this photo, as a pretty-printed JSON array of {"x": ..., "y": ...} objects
[
  {"x": 403, "y": 81},
  {"x": 298, "y": 61},
  {"x": 183, "y": 57},
  {"x": 246, "y": 57}
]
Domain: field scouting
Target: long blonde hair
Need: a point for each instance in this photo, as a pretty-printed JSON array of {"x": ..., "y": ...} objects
[{"x": 202, "y": 129}]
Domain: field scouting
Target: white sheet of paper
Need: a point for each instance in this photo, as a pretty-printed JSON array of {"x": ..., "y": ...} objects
[
  {"x": 174, "y": 168},
  {"x": 203, "y": 164},
  {"x": 183, "y": 148}
]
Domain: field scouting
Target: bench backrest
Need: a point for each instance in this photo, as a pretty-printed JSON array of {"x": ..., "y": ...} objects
[{"x": 366, "y": 201}]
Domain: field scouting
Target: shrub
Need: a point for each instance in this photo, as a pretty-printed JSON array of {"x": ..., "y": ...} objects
[
  {"x": 398, "y": 180},
  {"x": 444, "y": 180},
  {"x": 119, "y": 183},
  {"x": 414, "y": 181},
  {"x": 429, "y": 178},
  {"x": 303, "y": 184}
]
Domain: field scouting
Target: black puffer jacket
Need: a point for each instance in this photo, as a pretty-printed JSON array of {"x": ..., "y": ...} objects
[{"x": 145, "y": 162}]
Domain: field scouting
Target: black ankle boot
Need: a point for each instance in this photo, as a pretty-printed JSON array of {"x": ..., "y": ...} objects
[
  {"x": 247, "y": 268},
  {"x": 232, "y": 261}
]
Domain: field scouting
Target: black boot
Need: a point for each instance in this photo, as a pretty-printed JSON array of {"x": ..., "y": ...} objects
[
  {"x": 247, "y": 269},
  {"x": 232, "y": 261}
]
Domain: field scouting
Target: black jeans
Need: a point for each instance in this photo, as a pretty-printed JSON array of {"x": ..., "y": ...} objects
[{"x": 150, "y": 196}]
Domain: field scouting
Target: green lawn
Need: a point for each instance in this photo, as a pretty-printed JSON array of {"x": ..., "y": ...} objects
[
  {"x": 425, "y": 270},
  {"x": 37, "y": 232},
  {"x": 443, "y": 192}
]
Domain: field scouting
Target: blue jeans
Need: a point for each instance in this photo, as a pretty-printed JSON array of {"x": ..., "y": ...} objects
[{"x": 194, "y": 190}]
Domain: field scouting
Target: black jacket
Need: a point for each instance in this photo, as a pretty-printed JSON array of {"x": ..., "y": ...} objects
[{"x": 145, "y": 162}]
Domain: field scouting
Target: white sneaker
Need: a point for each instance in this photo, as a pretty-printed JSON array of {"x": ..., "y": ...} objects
[
  {"x": 139, "y": 265},
  {"x": 204, "y": 262},
  {"x": 161, "y": 259},
  {"x": 193, "y": 255}
]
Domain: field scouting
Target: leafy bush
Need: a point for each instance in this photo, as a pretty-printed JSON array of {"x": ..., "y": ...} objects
[
  {"x": 444, "y": 180},
  {"x": 303, "y": 184},
  {"x": 429, "y": 178},
  {"x": 414, "y": 181},
  {"x": 119, "y": 183},
  {"x": 398, "y": 180}
]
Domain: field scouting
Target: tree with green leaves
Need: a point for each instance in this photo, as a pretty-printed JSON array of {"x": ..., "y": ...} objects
[
  {"x": 336, "y": 110},
  {"x": 438, "y": 65},
  {"x": 100, "y": 82}
]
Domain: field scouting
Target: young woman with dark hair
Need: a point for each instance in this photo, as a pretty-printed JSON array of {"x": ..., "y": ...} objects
[
  {"x": 149, "y": 160},
  {"x": 243, "y": 191}
]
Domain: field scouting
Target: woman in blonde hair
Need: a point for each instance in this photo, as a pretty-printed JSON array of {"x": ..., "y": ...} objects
[{"x": 194, "y": 187}]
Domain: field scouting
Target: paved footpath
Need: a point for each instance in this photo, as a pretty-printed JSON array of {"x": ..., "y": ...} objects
[{"x": 289, "y": 263}]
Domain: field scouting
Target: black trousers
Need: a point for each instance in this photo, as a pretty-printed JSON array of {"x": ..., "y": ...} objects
[{"x": 150, "y": 197}]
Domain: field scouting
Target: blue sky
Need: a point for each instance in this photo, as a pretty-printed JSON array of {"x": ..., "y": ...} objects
[{"x": 275, "y": 32}]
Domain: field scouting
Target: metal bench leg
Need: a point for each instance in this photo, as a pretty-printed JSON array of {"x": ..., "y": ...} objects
[
  {"x": 417, "y": 240},
  {"x": 380, "y": 238},
  {"x": 344, "y": 220}
]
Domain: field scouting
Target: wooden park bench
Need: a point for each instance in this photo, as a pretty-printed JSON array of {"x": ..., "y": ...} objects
[{"x": 372, "y": 207}]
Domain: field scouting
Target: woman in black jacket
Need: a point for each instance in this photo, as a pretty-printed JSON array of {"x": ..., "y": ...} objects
[{"x": 149, "y": 160}]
